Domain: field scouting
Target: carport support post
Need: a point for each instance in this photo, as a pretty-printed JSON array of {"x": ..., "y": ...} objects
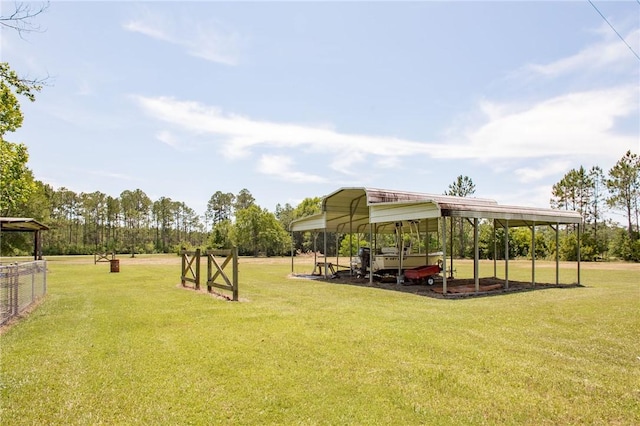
[
  {"x": 533, "y": 254},
  {"x": 371, "y": 252},
  {"x": 451, "y": 237},
  {"x": 557, "y": 229},
  {"x": 579, "y": 231},
  {"x": 506, "y": 254},
  {"x": 444, "y": 255},
  {"x": 326, "y": 272},
  {"x": 338, "y": 250},
  {"x": 476, "y": 255},
  {"x": 495, "y": 248},
  {"x": 315, "y": 252}
]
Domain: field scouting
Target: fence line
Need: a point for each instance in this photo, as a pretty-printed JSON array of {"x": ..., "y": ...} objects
[{"x": 21, "y": 285}]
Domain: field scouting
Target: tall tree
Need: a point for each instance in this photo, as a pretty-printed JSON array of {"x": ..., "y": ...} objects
[
  {"x": 244, "y": 199},
  {"x": 219, "y": 207},
  {"x": 257, "y": 230},
  {"x": 574, "y": 192},
  {"x": 624, "y": 189},
  {"x": 94, "y": 212},
  {"x": 463, "y": 186},
  {"x": 596, "y": 205},
  {"x": 284, "y": 214},
  {"x": 162, "y": 211},
  {"x": 135, "y": 208}
]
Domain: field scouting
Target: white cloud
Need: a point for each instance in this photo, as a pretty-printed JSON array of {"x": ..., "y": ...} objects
[
  {"x": 279, "y": 166},
  {"x": 524, "y": 195},
  {"x": 573, "y": 125},
  {"x": 207, "y": 40},
  {"x": 609, "y": 55},
  {"x": 543, "y": 170},
  {"x": 576, "y": 124},
  {"x": 110, "y": 175},
  {"x": 242, "y": 134},
  {"x": 168, "y": 138}
]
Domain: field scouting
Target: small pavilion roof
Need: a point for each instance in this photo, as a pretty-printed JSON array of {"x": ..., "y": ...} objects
[{"x": 21, "y": 224}]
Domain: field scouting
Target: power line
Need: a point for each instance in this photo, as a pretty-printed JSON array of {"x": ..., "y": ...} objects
[{"x": 614, "y": 30}]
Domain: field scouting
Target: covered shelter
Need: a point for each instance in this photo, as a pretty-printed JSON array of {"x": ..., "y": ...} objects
[
  {"x": 24, "y": 224},
  {"x": 375, "y": 211}
]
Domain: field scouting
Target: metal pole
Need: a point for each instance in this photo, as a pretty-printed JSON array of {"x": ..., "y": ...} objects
[
  {"x": 451, "y": 255},
  {"x": 506, "y": 254},
  {"x": 400, "y": 239},
  {"x": 533, "y": 255},
  {"x": 444, "y": 255},
  {"x": 495, "y": 249},
  {"x": 579, "y": 231},
  {"x": 557, "y": 254},
  {"x": 338, "y": 250},
  {"x": 476, "y": 255},
  {"x": 326, "y": 272},
  {"x": 351, "y": 243},
  {"x": 371, "y": 251}
]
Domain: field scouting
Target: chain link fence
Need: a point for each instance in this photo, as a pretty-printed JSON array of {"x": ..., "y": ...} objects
[{"x": 21, "y": 284}]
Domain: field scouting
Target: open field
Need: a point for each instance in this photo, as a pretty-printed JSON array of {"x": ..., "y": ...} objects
[{"x": 135, "y": 348}]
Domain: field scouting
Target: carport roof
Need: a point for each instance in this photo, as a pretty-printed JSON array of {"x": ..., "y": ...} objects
[{"x": 348, "y": 209}]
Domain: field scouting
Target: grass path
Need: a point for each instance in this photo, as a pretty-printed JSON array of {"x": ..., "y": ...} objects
[{"x": 134, "y": 348}]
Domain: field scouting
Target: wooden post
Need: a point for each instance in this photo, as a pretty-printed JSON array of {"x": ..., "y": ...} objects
[
  {"x": 183, "y": 267},
  {"x": 197, "y": 269},
  {"x": 234, "y": 251}
]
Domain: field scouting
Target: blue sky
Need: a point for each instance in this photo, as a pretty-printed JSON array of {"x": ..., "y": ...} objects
[{"x": 297, "y": 99}]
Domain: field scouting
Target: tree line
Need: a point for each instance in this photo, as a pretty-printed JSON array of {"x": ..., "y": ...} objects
[{"x": 94, "y": 222}]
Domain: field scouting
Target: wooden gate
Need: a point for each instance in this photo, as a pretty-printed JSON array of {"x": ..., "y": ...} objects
[
  {"x": 217, "y": 277},
  {"x": 188, "y": 273},
  {"x": 215, "y": 271}
]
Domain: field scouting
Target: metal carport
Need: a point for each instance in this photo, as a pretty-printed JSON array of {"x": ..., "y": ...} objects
[{"x": 354, "y": 209}]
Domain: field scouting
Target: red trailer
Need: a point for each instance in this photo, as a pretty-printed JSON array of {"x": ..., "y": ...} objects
[{"x": 424, "y": 273}]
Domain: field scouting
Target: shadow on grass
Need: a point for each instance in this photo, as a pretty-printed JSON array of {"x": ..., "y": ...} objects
[{"x": 456, "y": 288}]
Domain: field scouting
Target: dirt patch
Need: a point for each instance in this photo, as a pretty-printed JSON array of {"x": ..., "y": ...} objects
[
  {"x": 216, "y": 294},
  {"x": 456, "y": 288}
]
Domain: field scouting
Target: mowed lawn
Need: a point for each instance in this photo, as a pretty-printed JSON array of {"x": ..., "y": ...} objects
[{"x": 135, "y": 348}]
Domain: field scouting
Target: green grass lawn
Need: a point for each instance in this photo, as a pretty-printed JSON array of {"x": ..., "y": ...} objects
[{"x": 135, "y": 348}]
